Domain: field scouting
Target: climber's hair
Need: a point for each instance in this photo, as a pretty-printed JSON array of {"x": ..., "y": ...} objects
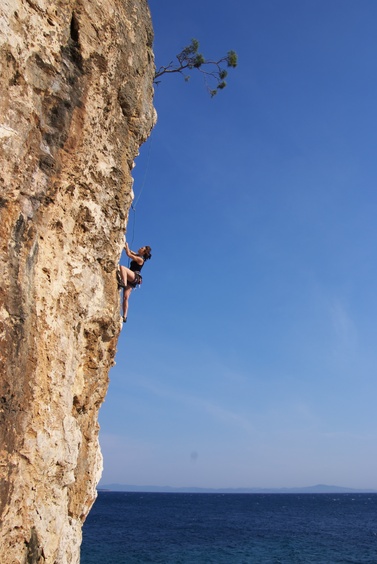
[{"x": 147, "y": 253}]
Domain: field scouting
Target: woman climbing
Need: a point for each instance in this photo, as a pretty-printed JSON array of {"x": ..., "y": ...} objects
[{"x": 129, "y": 278}]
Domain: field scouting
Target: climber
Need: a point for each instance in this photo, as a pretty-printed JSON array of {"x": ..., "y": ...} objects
[{"x": 129, "y": 278}]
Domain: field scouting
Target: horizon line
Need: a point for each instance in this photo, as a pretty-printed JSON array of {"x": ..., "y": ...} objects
[{"x": 318, "y": 488}]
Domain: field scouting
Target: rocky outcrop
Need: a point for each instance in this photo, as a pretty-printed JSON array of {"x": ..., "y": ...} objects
[{"x": 75, "y": 105}]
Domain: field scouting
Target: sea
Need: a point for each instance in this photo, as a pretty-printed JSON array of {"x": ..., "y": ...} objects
[{"x": 183, "y": 528}]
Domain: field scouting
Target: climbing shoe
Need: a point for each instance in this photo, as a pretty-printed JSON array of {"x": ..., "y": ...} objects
[{"x": 121, "y": 284}]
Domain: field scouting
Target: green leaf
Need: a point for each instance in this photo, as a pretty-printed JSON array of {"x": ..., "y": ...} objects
[
  {"x": 232, "y": 59},
  {"x": 198, "y": 61}
]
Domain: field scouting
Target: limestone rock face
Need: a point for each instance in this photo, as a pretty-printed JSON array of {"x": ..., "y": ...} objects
[{"x": 76, "y": 89}]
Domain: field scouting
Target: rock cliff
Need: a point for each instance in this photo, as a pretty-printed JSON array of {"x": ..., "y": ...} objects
[{"x": 76, "y": 92}]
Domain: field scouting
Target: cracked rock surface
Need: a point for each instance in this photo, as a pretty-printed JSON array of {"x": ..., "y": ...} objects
[{"x": 75, "y": 106}]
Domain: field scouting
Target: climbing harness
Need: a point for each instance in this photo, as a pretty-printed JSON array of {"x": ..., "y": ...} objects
[{"x": 137, "y": 282}]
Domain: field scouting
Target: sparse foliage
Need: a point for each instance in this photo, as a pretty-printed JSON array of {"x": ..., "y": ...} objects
[{"x": 213, "y": 71}]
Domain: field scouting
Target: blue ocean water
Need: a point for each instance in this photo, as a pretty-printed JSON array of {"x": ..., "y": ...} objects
[{"x": 138, "y": 528}]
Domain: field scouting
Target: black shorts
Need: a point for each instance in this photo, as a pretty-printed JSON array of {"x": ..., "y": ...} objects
[{"x": 138, "y": 280}]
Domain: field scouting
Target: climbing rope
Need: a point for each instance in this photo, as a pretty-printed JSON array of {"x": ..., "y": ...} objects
[{"x": 136, "y": 201}]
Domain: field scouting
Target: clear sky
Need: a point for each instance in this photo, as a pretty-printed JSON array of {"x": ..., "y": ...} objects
[{"x": 249, "y": 358}]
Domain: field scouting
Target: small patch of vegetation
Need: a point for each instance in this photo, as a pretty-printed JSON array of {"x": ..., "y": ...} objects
[{"x": 214, "y": 72}]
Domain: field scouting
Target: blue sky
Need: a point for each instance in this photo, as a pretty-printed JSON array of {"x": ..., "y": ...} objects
[{"x": 249, "y": 358}]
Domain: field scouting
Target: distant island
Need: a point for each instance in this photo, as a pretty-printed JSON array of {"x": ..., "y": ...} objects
[{"x": 319, "y": 488}]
